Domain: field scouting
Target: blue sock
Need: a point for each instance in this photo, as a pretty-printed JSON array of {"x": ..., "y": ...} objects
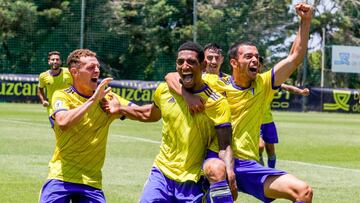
[
  {"x": 299, "y": 202},
  {"x": 219, "y": 193},
  {"x": 272, "y": 161}
]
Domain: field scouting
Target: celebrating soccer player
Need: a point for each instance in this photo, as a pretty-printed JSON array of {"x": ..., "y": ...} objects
[
  {"x": 81, "y": 130},
  {"x": 176, "y": 173},
  {"x": 249, "y": 94}
]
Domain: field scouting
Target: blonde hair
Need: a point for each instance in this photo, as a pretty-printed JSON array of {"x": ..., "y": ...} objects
[{"x": 74, "y": 56}]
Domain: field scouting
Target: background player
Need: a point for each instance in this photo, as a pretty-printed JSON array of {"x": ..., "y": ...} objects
[
  {"x": 268, "y": 132},
  {"x": 56, "y": 78}
]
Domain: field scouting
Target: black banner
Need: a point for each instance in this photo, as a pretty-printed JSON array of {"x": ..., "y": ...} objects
[
  {"x": 333, "y": 100},
  {"x": 285, "y": 101},
  {"x": 23, "y": 88}
]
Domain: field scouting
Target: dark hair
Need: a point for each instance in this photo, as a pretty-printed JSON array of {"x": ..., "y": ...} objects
[
  {"x": 192, "y": 46},
  {"x": 74, "y": 56},
  {"x": 213, "y": 46},
  {"x": 53, "y": 53},
  {"x": 261, "y": 60},
  {"x": 235, "y": 47}
]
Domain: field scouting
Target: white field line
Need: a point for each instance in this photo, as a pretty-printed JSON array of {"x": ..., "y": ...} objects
[
  {"x": 157, "y": 142},
  {"x": 285, "y": 161},
  {"x": 27, "y": 122},
  {"x": 320, "y": 166},
  {"x": 136, "y": 138}
]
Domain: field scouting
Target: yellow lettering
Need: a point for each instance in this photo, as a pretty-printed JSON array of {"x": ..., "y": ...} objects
[
  {"x": 26, "y": 91},
  {"x": 287, "y": 95},
  {"x": 284, "y": 105},
  {"x": 34, "y": 89},
  {"x": 278, "y": 95},
  {"x": 17, "y": 86},
  {"x": 356, "y": 108},
  {"x": 129, "y": 94},
  {"x": 146, "y": 96},
  {"x": 9, "y": 91},
  {"x": 136, "y": 95},
  {"x": 123, "y": 93},
  {"x": 3, "y": 87},
  {"x": 116, "y": 90},
  {"x": 356, "y": 95},
  {"x": 280, "y": 105}
]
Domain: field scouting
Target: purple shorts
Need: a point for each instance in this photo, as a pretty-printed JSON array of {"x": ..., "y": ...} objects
[
  {"x": 57, "y": 191},
  {"x": 250, "y": 176},
  {"x": 159, "y": 188},
  {"x": 268, "y": 133}
]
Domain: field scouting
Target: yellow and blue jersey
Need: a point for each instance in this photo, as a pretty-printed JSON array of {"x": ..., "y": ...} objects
[
  {"x": 80, "y": 150},
  {"x": 186, "y": 137},
  {"x": 247, "y": 110},
  {"x": 268, "y": 118},
  {"x": 221, "y": 75},
  {"x": 51, "y": 83}
]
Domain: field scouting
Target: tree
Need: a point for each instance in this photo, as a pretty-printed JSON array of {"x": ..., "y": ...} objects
[
  {"x": 151, "y": 32},
  {"x": 17, "y": 21}
]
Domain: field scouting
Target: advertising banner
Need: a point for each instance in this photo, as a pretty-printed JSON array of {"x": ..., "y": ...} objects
[
  {"x": 23, "y": 88},
  {"x": 285, "y": 101},
  {"x": 345, "y": 59},
  {"x": 333, "y": 100}
]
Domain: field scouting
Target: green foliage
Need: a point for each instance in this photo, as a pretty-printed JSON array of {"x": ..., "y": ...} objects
[
  {"x": 152, "y": 31},
  {"x": 138, "y": 39}
]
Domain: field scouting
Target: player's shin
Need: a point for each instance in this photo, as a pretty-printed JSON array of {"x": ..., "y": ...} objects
[{"x": 219, "y": 192}]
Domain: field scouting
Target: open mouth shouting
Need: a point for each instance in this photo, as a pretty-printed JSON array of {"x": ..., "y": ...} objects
[
  {"x": 253, "y": 69},
  {"x": 187, "y": 79},
  {"x": 94, "y": 79}
]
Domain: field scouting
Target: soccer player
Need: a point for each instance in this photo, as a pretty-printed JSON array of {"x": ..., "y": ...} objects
[
  {"x": 248, "y": 94},
  {"x": 176, "y": 173},
  {"x": 81, "y": 130},
  {"x": 268, "y": 132},
  {"x": 213, "y": 59},
  {"x": 56, "y": 78}
]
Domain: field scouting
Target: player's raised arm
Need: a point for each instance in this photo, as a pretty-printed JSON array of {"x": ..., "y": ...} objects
[
  {"x": 287, "y": 66},
  {"x": 295, "y": 90},
  {"x": 66, "y": 119},
  {"x": 195, "y": 103}
]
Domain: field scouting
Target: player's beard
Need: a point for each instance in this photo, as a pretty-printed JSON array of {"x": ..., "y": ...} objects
[{"x": 55, "y": 67}]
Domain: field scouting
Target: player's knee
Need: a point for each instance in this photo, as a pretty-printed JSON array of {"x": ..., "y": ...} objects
[
  {"x": 215, "y": 170},
  {"x": 304, "y": 192}
]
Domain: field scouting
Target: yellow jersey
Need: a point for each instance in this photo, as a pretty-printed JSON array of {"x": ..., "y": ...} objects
[
  {"x": 247, "y": 110},
  {"x": 186, "y": 137},
  {"x": 51, "y": 83},
  {"x": 80, "y": 150}
]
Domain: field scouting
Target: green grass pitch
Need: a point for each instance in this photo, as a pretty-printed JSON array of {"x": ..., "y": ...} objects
[{"x": 321, "y": 148}]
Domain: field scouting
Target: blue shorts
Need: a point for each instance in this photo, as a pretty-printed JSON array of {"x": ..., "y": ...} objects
[
  {"x": 159, "y": 188},
  {"x": 57, "y": 191},
  {"x": 268, "y": 133},
  {"x": 250, "y": 176}
]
